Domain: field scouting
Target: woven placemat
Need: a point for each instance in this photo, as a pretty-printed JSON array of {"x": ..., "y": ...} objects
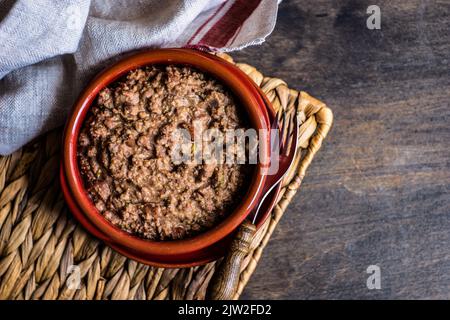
[{"x": 40, "y": 243}]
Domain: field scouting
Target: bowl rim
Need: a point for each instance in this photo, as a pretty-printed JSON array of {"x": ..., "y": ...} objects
[{"x": 233, "y": 79}]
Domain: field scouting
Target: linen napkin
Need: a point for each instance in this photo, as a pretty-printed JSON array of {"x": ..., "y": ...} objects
[{"x": 50, "y": 49}]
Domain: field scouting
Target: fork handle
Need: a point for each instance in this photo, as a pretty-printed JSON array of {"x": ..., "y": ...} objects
[{"x": 225, "y": 280}]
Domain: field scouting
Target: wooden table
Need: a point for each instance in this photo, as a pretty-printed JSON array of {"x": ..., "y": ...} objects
[{"x": 378, "y": 191}]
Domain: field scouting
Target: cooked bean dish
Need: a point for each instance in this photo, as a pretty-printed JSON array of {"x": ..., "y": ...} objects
[{"x": 125, "y": 153}]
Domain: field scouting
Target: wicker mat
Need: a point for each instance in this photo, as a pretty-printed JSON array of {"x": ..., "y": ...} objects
[{"x": 40, "y": 242}]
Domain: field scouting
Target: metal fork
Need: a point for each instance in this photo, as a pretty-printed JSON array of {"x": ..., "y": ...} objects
[{"x": 224, "y": 283}]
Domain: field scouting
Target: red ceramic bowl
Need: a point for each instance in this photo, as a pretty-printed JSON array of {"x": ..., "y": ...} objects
[
  {"x": 200, "y": 257},
  {"x": 248, "y": 97}
]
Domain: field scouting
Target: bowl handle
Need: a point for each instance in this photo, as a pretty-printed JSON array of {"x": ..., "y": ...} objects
[{"x": 224, "y": 283}]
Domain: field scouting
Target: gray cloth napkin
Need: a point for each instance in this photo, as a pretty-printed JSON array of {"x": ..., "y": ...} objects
[{"x": 50, "y": 49}]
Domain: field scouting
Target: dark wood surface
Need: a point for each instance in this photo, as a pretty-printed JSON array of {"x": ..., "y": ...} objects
[{"x": 378, "y": 191}]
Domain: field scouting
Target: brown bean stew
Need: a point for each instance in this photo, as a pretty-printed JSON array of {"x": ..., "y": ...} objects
[{"x": 125, "y": 153}]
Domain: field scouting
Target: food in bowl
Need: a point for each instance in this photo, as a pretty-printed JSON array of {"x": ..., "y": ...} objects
[{"x": 125, "y": 153}]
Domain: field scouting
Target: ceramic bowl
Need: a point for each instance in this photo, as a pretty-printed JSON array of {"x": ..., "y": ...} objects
[{"x": 247, "y": 96}]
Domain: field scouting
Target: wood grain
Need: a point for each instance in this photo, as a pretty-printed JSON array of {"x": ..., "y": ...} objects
[{"x": 378, "y": 191}]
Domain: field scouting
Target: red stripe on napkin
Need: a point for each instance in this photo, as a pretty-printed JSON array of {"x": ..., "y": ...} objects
[
  {"x": 206, "y": 22},
  {"x": 224, "y": 29}
]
